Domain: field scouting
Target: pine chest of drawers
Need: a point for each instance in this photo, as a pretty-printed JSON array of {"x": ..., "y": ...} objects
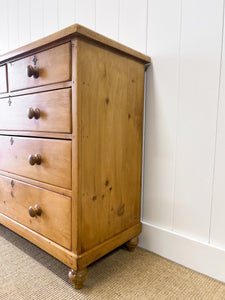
[{"x": 71, "y": 118}]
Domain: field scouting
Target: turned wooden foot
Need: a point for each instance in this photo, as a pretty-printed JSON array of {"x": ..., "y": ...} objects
[
  {"x": 132, "y": 244},
  {"x": 78, "y": 277}
]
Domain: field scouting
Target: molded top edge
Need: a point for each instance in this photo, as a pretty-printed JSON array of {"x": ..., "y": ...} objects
[{"x": 69, "y": 33}]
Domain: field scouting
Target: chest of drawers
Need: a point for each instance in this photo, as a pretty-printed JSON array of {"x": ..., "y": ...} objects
[{"x": 71, "y": 118}]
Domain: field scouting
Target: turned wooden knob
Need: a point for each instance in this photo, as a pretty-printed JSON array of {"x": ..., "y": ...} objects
[
  {"x": 34, "y": 211},
  {"x": 33, "y": 113},
  {"x": 32, "y": 71},
  {"x": 34, "y": 159}
]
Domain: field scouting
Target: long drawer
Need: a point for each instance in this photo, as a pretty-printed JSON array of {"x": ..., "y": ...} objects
[
  {"x": 3, "y": 79},
  {"x": 46, "y": 160},
  {"x": 48, "y": 111},
  {"x": 52, "y": 219},
  {"x": 46, "y": 67}
]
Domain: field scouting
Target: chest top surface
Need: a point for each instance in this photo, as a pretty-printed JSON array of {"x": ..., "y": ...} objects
[{"x": 75, "y": 30}]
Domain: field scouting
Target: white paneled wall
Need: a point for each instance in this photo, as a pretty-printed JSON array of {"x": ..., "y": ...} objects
[
  {"x": 24, "y": 22},
  {"x": 86, "y": 12},
  {"x": 184, "y": 167},
  {"x": 36, "y": 19},
  {"x": 161, "y": 111},
  {"x": 107, "y": 18},
  {"x": 50, "y": 18},
  {"x": 133, "y": 23},
  {"x": 217, "y": 226},
  {"x": 200, "y": 51}
]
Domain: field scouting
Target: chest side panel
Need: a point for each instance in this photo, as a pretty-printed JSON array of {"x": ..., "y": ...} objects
[{"x": 110, "y": 109}]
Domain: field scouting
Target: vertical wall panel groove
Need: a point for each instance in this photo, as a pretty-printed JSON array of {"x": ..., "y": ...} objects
[
  {"x": 107, "y": 18},
  {"x": 13, "y": 24},
  {"x": 4, "y": 28},
  {"x": 146, "y": 36},
  {"x": 50, "y": 18},
  {"x": 24, "y": 22},
  {"x": 199, "y": 77},
  {"x": 86, "y": 13},
  {"x": 177, "y": 114},
  {"x": 132, "y": 23},
  {"x": 36, "y": 20},
  {"x": 215, "y": 159},
  {"x": 66, "y": 13},
  {"x": 144, "y": 122},
  {"x": 161, "y": 110},
  {"x": 217, "y": 236}
]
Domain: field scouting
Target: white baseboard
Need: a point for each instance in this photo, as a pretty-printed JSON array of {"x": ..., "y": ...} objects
[{"x": 202, "y": 257}]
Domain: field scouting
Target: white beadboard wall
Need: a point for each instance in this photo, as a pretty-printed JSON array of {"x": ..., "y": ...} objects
[{"x": 183, "y": 207}]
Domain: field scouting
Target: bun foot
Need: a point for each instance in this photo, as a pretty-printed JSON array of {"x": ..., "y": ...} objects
[
  {"x": 78, "y": 277},
  {"x": 132, "y": 244}
]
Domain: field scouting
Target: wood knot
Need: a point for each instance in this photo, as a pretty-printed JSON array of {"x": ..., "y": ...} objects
[
  {"x": 94, "y": 198},
  {"x": 107, "y": 100},
  {"x": 106, "y": 182},
  {"x": 121, "y": 210}
]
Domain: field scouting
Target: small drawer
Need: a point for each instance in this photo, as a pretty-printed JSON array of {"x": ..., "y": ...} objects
[
  {"x": 48, "y": 111},
  {"x": 46, "y": 67},
  {"x": 3, "y": 80},
  {"x": 45, "y": 160},
  {"x": 52, "y": 219}
]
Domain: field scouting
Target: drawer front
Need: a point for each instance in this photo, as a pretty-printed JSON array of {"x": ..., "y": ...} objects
[
  {"x": 54, "y": 108},
  {"x": 55, "y": 220},
  {"x": 54, "y": 65},
  {"x": 55, "y": 162},
  {"x": 3, "y": 80}
]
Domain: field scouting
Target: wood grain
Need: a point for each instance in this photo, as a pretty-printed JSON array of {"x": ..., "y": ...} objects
[
  {"x": 88, "y": 257},
  {"x": 54, "y": 66},
  {"x": 55, "y": 219},
  {"x": 82, "y": 137},
  {"x": 44, "y": 88},
  {"x": 109, "y": 142},
  {"x": 44, "y": 185},
  {"x": 68, "y": 257},
  {"x": 61, "y": 253},
  {"x": 78, "y": 277},
  {"x": 69, "y": 33},
  {"x": 56, "y": 135},
  {"x": 76, "y": 207},
  {"x": 55, "y": 112},
  {"x": 55, "y": 167}
]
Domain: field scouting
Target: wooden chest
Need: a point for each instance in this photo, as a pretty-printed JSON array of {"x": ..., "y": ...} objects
[{"x": 71, "y": 118}]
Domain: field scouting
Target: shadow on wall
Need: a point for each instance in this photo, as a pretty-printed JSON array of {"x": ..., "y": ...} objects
[{"x": 160, "y": 144}]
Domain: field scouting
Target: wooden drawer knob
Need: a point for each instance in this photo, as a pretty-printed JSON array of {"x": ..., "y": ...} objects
[
  {"x": 34, "y": 211},
  {"x": 33, "y": 113},
  {"x": 32, "y": 71},
  {"x": 34, "y": 159}
]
